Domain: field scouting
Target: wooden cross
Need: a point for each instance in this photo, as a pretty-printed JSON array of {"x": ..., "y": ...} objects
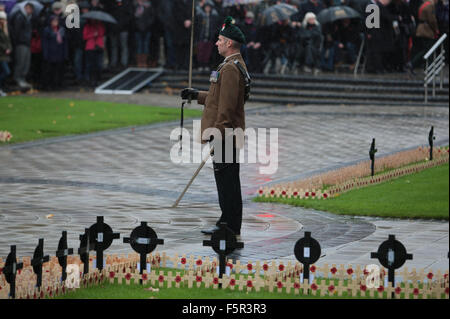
[
  {"x": 170, "y": 279},
  {"x": 241, "y": 282},
  {"x": 190, "y": 278}
]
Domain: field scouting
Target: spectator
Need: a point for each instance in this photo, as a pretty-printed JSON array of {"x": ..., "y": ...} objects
[
  {"x": 426, "y": 33},
  {"x": 328, "y": 52},
  {"x": 54, "y": 52},
  {"x": 404, "y": 27},
  {"x": 311, "y": 42},
  {"x": 21, "y": 37},
  {"x": 253, "y": 46},
  {"x": 76, "y": 46},
  {"x": 93, "y": 33},
  {"x": 347, "y": 42},
  {"x": 144, "y": 17},
  {"x": 5, "y": 51},
  {"x": 380, "y": 41},
  {"x": 207, "y": 25},
  {"x": 122, "y": 11},
  {"x": 183, "y": 20},
  {"x": 166, "y": 18}
]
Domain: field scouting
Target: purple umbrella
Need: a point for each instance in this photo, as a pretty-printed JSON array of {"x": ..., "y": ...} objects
[{"x": 8, "y": 4}]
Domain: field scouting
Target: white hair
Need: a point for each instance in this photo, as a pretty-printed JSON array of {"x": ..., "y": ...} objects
[{"x": 308, "y": 16}]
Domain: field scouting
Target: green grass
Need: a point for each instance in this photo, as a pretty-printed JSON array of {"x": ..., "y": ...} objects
[
  {"x": 31, "y": 118},
  {"x": 423, "y": 195},
  {"x": 108, "y": 290}
]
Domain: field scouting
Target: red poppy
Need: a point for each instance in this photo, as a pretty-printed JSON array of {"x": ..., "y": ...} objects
[
  {"x": 144, "y": 277},
  {"x": 183, "y": 261},
  {"x": 265, "y": 267},
  {"x": 177, "y": 279},
  {"x": 279, "y": 285},
  {"x": 283, "y": 193},
  {"x": 416, "y": 291},
  {"x": 198, "y": 278},
  {"x": 232, "y": 282},
  {"x": 331, "y": 288},
  {"x": 313, "y": 194},
  {"x": 272, "y": 192},
  {"x": 363, "y": 287},
  {"x": 297, "y": 285},
  {"x": 249, "y": 267},
  {"x": 307, "y": 194},
  {"x": 333, "y": 270},
  {"x": 216, "y": 281},
  {"x": 312, "y": 269},
  {"x": 261, "y": 191},
  {"x": 430, "y": 275},
  {"x": 349, "y": 271},
  {"x": 199, "y": 262},
  {"x": 314, "y": 287},
  {"x": 281, "y": 267},
  {"x": 128, "y": 276},
  {"x": 446, "y": 291},
  {"x": 249, "y": 284},
  {"x": 398, "y": 290},
  {"x": 295, "y": 194},
  {"x": 380, "y": 289},
  {"x": 161, "y": 278},
  {"x": 325, "y": 195}
]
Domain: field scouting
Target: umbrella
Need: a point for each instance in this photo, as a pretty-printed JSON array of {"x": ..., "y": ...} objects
[
  {"x": 21, "y": 6},
  {"x": 278, "y": 12},
  {"x": 332, "y": 14},
  {"x": 100, "y": 16}
]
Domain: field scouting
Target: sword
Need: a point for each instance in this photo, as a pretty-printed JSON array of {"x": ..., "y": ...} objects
[{"x": 193, "y": 177}]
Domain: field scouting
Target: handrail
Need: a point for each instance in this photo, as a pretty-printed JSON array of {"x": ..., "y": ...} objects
[
  {"x": 435, "y": 67},
  {"x": 435, "y": 46}
]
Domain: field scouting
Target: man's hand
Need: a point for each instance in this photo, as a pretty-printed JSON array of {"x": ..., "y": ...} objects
[{"x": 189, "y": 93}]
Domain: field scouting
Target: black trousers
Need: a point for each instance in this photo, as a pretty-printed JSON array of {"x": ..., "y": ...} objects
[{"x": 229, "y": 191}]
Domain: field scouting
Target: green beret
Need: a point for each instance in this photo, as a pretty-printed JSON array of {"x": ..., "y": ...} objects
[{"x": 231, "y": 31}]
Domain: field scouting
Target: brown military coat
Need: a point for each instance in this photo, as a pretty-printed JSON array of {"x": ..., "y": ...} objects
[{"x": 224, "y": 101}]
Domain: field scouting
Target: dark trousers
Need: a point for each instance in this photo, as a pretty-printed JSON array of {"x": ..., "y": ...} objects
[
  {"x": 229, "y": 191},
  {"x": 52, "y": 76}
]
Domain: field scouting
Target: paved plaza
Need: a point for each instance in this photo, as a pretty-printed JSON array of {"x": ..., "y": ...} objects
[{"x": 126, "y": 175}]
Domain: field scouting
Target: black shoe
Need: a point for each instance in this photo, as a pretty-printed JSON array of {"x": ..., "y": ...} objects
[{"x": 210, "y": 231}]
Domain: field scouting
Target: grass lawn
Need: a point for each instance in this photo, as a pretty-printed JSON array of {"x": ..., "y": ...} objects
[
  {"x": 32, "y": 118},
  {"x": 115, "y": 290},
  {"x": 108, "y": 290},
  {"x": 420, "y": 195}
]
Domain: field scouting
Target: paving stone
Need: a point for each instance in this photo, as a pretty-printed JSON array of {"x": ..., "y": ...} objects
[{"x": 128, "y": 177}]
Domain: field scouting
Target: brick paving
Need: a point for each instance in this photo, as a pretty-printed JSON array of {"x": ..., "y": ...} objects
[{"x": 127, "y": 177}]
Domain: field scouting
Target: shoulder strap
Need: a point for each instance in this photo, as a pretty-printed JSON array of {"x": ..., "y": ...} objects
[{"x": 243, "y": 71}]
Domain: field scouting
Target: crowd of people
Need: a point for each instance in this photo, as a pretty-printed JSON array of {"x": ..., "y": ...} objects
[{"x": 37, "y": 46}]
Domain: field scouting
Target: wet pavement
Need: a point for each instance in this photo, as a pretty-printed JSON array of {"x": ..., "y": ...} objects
[{"x": 127, "y": 176}]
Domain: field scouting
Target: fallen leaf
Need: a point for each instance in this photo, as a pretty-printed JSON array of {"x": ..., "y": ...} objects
[{"x": 49, "y": 216}]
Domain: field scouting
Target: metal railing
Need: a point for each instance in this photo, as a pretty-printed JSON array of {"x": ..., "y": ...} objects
[{"x": 435, "y": 67}]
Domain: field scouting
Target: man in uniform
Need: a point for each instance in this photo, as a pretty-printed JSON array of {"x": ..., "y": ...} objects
[{"x": 224, "y": 111}]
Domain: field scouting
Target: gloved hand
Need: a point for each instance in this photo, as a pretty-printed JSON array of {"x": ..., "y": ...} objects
[{"x": 189, "y": 93}]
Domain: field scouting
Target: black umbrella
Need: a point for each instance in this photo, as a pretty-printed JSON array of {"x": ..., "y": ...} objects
[
  {"x": 332, "y": 14},
  {"x": 100, "y": 16},
  {"x": 278, "y": 12}
]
